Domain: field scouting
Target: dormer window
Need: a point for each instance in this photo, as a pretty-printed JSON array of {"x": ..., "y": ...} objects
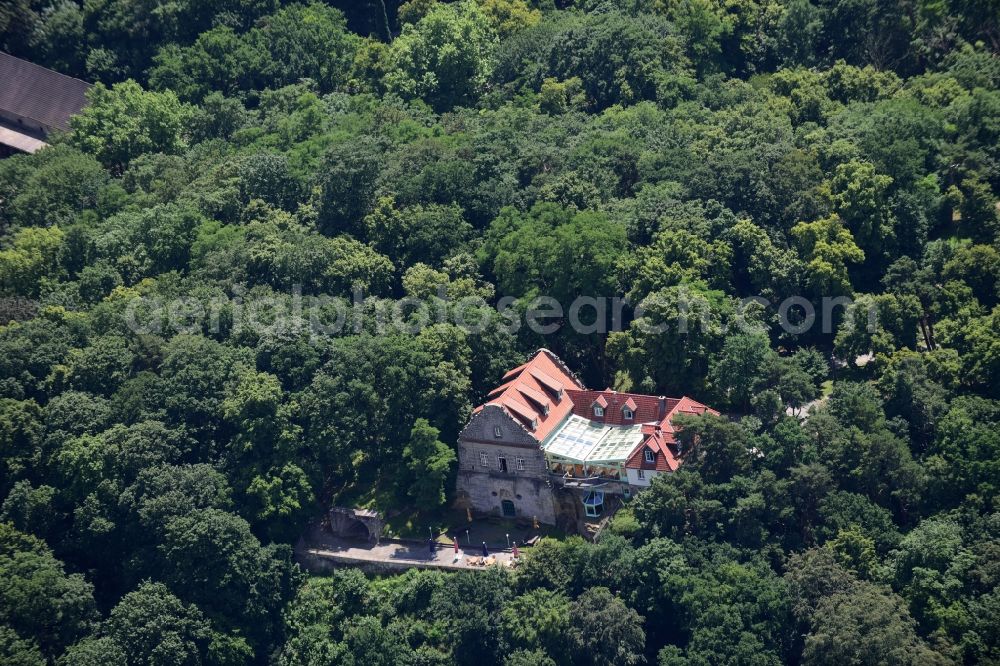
[
  {"x": 598, "y": 406},
  {"x": 497, "y": 432},
  {"x": 628, "y": 409},
  {"x": 649, "y": 456}
]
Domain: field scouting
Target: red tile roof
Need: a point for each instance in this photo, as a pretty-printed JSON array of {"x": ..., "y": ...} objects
[
  {"x": 510, "y": 373},
  {"x": 664, "y": 458},
  {"x": 531, "y": 387},
  {"x": 528, "y": 417},
  {"x": 645, "y": 408},
  {"x": 547, "y": 380},
  {"x": 537, "y": 397},
  {"x": 545, "y": 384},
  {"x": 660, "y": 438}
]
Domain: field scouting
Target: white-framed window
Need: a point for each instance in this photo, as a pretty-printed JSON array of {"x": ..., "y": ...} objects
[
  {"x": 640, "y": 473},
  {"x": 520, "y": 463},
  {"x": 484, "y": 459},
  {"x": 628, "y": 414},
  {"x": 598, "y": 411},
  {"x": 497, "y": 432},
  {"x": 649, "y": 456}
]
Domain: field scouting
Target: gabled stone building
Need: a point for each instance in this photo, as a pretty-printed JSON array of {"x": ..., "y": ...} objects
[{"x": 544, "y": 447}]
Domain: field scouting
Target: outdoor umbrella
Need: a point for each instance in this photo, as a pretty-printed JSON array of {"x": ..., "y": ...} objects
[
  {"x": 455, "y": 539},
  {"x": 486, "y": 552}
]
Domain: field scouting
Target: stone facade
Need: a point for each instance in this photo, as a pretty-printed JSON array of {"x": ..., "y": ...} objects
[
  {"x": 500, "y": 466},
  {"x": 349, "y": 522}
]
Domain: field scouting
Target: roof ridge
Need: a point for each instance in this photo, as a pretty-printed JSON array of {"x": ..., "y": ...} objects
[
  {"x": 562, "y": 366},
  {"x": 43, "y": 67}
]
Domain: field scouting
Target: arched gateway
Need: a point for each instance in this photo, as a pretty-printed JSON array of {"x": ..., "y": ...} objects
[{"x": 356, "y": 523}]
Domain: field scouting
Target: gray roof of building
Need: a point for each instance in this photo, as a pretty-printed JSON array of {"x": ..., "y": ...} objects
[{"x": 32, "y": 91}]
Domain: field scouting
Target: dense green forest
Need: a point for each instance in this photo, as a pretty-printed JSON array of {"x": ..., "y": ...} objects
[{"x": 160, "y": 455}]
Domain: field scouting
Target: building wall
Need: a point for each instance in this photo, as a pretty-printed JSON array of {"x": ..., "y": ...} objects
[
  {"x": 485, "y": 493},
  {"x": 484, "y": 487},
  {"x": 483, "y": 424},
  {"x": 634, "y": 480},
  {"x": 471, "y": 459},
  {"x": 22, "y": 123}
]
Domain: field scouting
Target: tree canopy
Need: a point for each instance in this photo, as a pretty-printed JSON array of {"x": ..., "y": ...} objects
[{"x": 289, "y": 245}]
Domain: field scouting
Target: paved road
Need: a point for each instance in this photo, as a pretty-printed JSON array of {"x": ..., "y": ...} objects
[{"x": 414, "y": 555}]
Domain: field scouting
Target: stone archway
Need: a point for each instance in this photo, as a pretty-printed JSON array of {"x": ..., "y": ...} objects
[{"x": 356, "y": 523}]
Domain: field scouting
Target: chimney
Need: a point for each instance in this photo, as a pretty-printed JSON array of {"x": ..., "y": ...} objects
[{"x": 662, "y": 411}]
